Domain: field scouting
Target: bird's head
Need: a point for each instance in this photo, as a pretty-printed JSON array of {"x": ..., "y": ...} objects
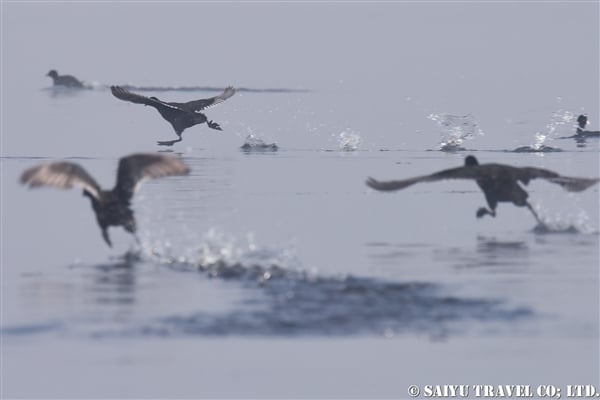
[
  {"x": 471, "y": 161},
  {"x": 52, "y": 73},
  {"x": 582, "y": 121}
]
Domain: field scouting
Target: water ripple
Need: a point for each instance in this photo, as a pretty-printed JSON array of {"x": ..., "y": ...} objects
[
  {"x": 283, "y": 299},
  {"x": 324, "y": 306}
]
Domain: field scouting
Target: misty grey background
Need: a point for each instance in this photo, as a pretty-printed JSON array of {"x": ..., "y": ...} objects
[
  {"x": 379, "y": 68},
  {"x": 378, "y": 71}
]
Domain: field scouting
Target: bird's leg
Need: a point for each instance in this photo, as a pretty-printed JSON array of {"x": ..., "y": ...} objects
[
  {"x": 214, "y": 125},
  {"x": 484, "y": 211},
  {"x": 539, "y": 221},
  {"x": 106, "y": 238}
]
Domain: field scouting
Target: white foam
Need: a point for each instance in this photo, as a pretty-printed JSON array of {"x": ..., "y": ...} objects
[{"x": 349, "y": 140}]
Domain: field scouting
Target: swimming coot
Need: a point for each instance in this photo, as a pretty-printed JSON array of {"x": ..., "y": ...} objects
[
  {"x": 65, "y": 80},
  {"x": 582, "y": 122}
]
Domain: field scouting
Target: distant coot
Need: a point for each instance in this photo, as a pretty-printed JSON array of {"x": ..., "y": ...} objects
[
  {"x": 582, "y": 122},
  {"x": 498, "y": 182},
  {"x": 112, "y": 207},
  {"x": 65, "y": 80},
  {"x": 180, "y": 115}
]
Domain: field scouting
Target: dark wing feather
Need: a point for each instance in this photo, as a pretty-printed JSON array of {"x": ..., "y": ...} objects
[
  {"x": 136, "y": 168},
  {"x": 525, "y": 174},
  {"x": 203, "y": 104},
  {"x": 126, "y": 95},
  {"x": 453, "y": 173},
  {"x": 568, "y": 183},
  {"x": 62, "y": 175},
  {"x": 574, "y": 184}
]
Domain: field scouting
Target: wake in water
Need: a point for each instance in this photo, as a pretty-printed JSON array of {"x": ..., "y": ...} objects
[
  {"x": 211, "y": 89},
  {"x": 340, "y": 307},
  {"x": 57, "y": 90},
  {"x": 455, "y": 130},
  {"x": 284, "y": 299},
  {"x": 557, "y": 120}
]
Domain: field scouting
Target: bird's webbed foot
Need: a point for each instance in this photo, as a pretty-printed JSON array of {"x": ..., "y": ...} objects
[
  {"x": 214, "y": 125},
  {"x": 168, "y": 142},
  {"x": 484, "y": 211}
]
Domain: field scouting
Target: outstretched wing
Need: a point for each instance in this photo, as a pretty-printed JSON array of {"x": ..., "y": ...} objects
[
  {"x": 525, "y": 174},
  {"x": 126, "y": 95},
  {"x": 203, "y": 104},
  {"x": 574, "y": 184},
  {"x": 62, "y": 175},
  {"x": 136, "y": 168},
  {"x": 469, "y": 172},
  {"x": 570, "y": 184}
]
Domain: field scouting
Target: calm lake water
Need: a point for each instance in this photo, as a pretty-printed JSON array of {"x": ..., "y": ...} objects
[{"x": 280, "y": 274}]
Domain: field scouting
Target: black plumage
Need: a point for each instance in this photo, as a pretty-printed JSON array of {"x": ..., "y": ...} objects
[
  {"x": 180, "y": 115},
  {"x": 112, "y": 207},
  {"x": 65, "y": 80},
  {"x": 581, "y": 132},
  {"x": 499, "y": 182}
]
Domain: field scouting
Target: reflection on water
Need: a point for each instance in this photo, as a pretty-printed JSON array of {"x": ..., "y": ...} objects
[
  {"x": 536, "y": 149},
  {"x": 299, "y": 303},
  {"x": 344, "y": 306},
  {"x": 115, "y": 282},
  {"x": 278, "y": 301},
  {"x": 489, "y": 252},
  {"x": 58, "y": 90},
  {"x": 289, "y": 300}
]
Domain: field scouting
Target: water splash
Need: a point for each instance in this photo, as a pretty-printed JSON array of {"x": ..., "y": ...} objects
[
  {"x": 456, "y": 129},
  {"x": 558, "y": 119},
  {"x": 221, "y": 255},
  {"x": 281, "y": 298},
  {"x": 349, "y": 140},
  {"x": 254, "y": 143},
  {"x": 291, "y": 302},
  {"x": 579, "y": 223}
]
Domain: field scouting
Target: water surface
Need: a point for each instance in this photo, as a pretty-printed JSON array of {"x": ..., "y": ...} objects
[{"x": 280, "y": 270}]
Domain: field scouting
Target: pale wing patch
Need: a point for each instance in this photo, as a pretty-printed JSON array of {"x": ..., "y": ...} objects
[
  {"x": 62, "y": 175},
  {"x": 213, "y": 101},
  {"x": 137, "y": 168},
  {"x": 165, "y": 166}
]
